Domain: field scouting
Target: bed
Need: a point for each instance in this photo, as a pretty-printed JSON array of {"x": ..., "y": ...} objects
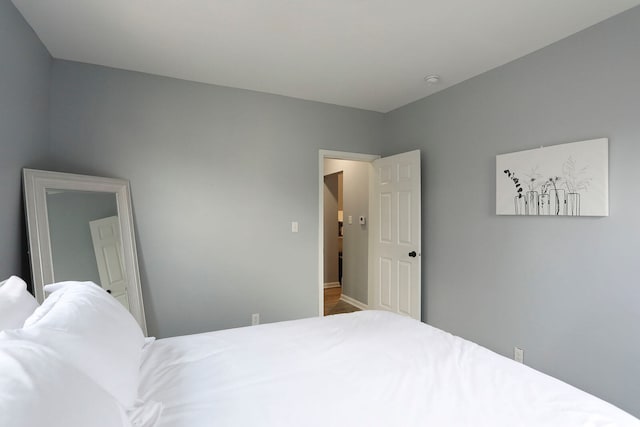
[{"x": 369, "y": 368}]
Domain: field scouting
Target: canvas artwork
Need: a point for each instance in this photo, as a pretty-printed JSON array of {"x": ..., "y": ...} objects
[{"x": 561, "y": 180}]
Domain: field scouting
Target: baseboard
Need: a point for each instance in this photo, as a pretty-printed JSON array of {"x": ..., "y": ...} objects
[
  {"x": 354, "y": 302},
  {"x": 332, "y": 285}
]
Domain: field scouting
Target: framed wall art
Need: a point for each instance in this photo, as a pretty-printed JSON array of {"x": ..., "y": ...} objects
[{"x": 560, "y": 180}]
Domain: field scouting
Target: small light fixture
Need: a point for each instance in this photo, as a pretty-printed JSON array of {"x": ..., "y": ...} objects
[{"x": 432, "y": 79}]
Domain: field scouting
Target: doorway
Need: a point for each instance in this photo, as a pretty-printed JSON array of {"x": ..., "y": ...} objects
[
  {"x": 336, "y": 296},
  {"x": 390, "y": 221},
  {"x": 344, "y": 234},
  {"x": 333, "y": 228}
]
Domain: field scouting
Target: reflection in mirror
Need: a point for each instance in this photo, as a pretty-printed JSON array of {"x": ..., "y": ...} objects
[
  {"x": 85, "y": 239},
  {"x": 107, "y": 248},
  {"x": 81, "y": 228}
]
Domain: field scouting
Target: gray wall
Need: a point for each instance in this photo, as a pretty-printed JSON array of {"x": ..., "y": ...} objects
[
  {"x": 217, "y": 175},
  {"x": 355, "y": 199},
  {"x": 566, "y": 290},
  {"x": 24, "y": 126},
  {"x": 69, "y": 214}
]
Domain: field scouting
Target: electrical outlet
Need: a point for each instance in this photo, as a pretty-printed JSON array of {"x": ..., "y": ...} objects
[
  {"x": 518, "y": 354},
  {"x": 255, "y": 319}
]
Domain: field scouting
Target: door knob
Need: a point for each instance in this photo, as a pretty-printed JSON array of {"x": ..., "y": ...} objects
[{"x": 412, "y": 254}]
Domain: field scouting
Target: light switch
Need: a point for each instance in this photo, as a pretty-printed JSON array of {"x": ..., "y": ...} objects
[
  {"x": 362, "y": 220},
  {"x": 350, "y": 219},
  {"x": 294, "y": 226}
]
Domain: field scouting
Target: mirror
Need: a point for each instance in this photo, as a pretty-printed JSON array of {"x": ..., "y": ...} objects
[{"x": 81, "y": 228}]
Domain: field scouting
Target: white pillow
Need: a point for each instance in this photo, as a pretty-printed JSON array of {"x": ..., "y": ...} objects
[
  {"x": 92, "y": 331},
  {"x": 37, "y": 388},
  {"x": 16, "y": 303}
]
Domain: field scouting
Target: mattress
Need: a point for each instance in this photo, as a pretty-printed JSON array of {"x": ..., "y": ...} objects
[{"x": 369, "y": 368}]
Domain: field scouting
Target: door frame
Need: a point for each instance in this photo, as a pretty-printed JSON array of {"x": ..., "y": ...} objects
[{"x": 340, "y": 155}]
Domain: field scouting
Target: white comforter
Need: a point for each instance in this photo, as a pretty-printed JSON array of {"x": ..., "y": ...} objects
[{"x": 362, "y": 369}]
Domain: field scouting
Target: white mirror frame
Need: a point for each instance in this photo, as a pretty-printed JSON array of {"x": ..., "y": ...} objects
[{"x": 36, "y": 184}]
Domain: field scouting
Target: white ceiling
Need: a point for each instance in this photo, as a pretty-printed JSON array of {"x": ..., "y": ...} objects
[{"x": 370, "y": 54}]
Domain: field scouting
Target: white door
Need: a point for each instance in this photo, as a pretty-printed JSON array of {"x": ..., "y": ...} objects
[
  {"x": 107, "y": 245},
  {"x": 396, "y": 234}
]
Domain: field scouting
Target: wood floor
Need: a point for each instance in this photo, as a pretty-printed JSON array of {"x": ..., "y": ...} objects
[{"x": 333, "y": 304}]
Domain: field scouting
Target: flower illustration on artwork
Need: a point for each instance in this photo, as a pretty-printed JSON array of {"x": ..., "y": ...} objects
[
  {"x": 554, "y": 181},
  {"x": 534, "y": 179},
  {"x": 516, "y": 182},
  {"x": 575, "y": 179}
]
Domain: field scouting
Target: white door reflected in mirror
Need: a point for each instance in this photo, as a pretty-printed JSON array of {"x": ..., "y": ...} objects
[{"x": 107, "y": 246}]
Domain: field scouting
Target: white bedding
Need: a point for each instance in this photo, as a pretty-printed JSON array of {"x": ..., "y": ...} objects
[{"x": 361, "y": 369}]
